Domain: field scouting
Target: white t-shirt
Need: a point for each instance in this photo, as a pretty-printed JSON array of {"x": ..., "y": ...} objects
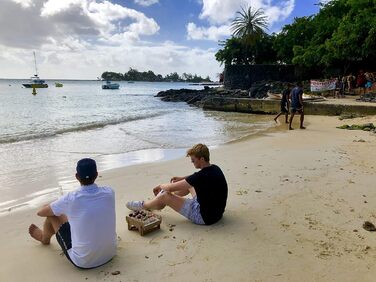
[{"x": 91, "y": 215}]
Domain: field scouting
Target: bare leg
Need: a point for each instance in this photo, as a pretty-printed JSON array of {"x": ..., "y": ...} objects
[
  {"x": 275, "y": 119},
  {"x": 291, "y": 118},
  {"x": 302, "y": 120},
  {"x": 50, "y": 227},
  {"x": 163, "y": 200},
  {"x": 287, "y": 118}
]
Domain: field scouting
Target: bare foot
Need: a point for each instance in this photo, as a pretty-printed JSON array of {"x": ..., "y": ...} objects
[
  {"x": 37, "y": 234},
  {"x": 302, "y": 127}
]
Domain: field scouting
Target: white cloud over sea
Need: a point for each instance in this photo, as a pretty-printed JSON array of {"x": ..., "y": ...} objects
[
  {"x": 82, "y": 38},
  {"x": 220, "y": 13}
]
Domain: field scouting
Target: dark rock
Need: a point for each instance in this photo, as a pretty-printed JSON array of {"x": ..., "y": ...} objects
[
  {"x": 369, "y": 226},
  {"x": 117, "y": 272}
]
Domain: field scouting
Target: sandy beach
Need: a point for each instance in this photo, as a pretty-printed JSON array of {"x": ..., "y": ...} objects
[{"x": 296, "y": 205}]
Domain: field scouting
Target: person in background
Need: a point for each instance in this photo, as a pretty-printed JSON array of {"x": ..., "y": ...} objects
[
  {"x": 296, "y": 98},
  {"x": 285, "y": 104}
]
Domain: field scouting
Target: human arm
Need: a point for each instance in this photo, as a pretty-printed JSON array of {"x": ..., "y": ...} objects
[
  {"x": 177, "y": 187},
  {"x": 301, "y": 98},
  {"x": 45, "y": 211},
  {"x": 177, "y": 178}
]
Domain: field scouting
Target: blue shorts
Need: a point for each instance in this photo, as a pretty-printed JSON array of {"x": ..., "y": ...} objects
[{"x": 191, "y": 210}]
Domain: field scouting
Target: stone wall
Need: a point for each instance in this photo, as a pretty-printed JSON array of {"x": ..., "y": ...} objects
[
  {"x": 262, "y": 106},
  {"x": 243, "y": 76}
]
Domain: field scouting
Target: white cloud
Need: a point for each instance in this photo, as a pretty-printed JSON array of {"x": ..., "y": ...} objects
[
  {"x": 81, "y": 39},
  {"x": 87, "y": 20},
  {"x": 211, "y": 33},
  {"x": 220, "y": 13},
  {"x": 146, "y": 2},
  {"x": 24, "y": 3}
]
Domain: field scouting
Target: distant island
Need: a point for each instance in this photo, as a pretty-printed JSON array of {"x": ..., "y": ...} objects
[{"x": 135, "y": 75}]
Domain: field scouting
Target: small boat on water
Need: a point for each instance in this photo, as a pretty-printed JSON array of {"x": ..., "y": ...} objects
[
  {"x": 110, "y": 85},
  {"x": 58, "y": 84},
  {"x": 35, "y": 81}
]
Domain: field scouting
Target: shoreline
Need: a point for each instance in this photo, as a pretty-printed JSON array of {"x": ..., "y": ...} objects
[
  {"x": 106, "y": 163},
  {"x": 297, "y": 202}
]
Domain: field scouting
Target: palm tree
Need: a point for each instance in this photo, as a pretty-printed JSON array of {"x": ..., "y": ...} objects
[{"x": 249, "y": 24}]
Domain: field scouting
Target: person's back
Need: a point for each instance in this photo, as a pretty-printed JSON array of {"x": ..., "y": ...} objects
[
  {"x": 91, "y": 214},
  {"x": 295, "y": 97},
  {"x": 83, "y": 220},
  {"x": 211, "y": 189}
]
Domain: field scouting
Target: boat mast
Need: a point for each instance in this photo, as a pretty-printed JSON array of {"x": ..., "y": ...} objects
[{"x": 35, "y": 63}]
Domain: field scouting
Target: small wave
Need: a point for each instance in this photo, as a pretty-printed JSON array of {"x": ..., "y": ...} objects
[{"x": 77, "y": 128}]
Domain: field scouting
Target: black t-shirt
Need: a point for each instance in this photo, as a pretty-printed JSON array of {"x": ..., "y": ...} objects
[
  {"x": 211, "y": 189},
  {"x": 285, "y": 95}
]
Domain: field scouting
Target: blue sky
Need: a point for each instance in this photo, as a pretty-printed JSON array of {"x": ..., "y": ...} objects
[{"x": 80, "y": 39}]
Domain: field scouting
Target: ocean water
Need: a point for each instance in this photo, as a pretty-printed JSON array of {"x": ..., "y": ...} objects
[{"x": 42, "y": 136}]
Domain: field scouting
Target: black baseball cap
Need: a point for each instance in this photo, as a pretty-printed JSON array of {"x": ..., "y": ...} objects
[{"x": 86, "y": 168}]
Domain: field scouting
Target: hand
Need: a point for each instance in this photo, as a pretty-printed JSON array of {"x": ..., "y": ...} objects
[
  {"x": 156, "y": 190},
  {"x": 175, "y": 179}
]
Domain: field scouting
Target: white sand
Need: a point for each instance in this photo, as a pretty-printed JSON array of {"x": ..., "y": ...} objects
[{"x": 295, "y": 201}]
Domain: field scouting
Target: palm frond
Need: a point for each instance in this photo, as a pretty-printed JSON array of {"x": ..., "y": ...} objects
[{"x": 249, "y": 23}]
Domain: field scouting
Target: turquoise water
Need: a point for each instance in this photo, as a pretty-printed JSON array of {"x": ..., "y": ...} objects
[{"x": 42, "y": 136}]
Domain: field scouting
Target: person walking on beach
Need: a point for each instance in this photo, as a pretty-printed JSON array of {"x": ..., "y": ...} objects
[
  {"x": 208, "y": 188},
  {"x": 297, "y": 104},
  {"x": 285, "y": 104},
  {"x": 82, "y": 220}
]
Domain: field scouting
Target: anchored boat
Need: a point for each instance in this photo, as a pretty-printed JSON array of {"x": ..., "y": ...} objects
[
  {"x": 35, "y": 81},
  {"x": 110, "y": 85}
]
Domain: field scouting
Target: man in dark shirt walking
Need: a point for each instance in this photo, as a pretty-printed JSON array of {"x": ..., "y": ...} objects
[
  {"x": 285, "y": 104},
  {"x": 208, "y": 188},
  {"x": 297, "y": 104}
]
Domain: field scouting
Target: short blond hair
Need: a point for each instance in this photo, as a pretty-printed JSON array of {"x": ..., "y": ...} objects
[{"x": 199, "y": 151}]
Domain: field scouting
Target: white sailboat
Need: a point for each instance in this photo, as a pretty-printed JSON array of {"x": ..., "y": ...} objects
[{"x": 35, "y": 81}]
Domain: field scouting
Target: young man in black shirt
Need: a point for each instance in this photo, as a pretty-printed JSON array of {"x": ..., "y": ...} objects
[
  {"x": 285, "y": 104},
  {"x": 208, "y": 188}
]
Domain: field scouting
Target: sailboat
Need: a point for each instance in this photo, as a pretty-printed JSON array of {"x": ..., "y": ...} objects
[{"x": 35, "y": 81}]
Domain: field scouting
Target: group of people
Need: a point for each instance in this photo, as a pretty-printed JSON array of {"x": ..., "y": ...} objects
[
  {"x": 292, "y": 101},
  {"x": 363, "y": 80},
  {"x": 84, "y": 220}
]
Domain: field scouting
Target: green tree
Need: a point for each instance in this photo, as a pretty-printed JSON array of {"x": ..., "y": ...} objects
[{"x": 249, "y": 24}]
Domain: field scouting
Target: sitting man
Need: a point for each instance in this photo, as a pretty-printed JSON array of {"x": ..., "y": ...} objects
[
  {"x": 208, "y": 188},
  {"x": 83, "y": 221}
]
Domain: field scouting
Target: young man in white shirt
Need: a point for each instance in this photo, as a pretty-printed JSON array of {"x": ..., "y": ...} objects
[{"x": 83, "y": 220}]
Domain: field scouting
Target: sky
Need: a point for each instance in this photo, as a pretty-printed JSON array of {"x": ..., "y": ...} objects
[{"x": 80, "y": 39}]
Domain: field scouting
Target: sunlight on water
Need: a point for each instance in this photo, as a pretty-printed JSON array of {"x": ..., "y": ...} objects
[{"x": 43, "y": 136}]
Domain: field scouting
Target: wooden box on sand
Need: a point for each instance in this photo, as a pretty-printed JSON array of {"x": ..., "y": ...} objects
[{"x": 144, "y": 221}]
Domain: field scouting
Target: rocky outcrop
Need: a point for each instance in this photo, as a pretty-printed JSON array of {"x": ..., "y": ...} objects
[
  {"x": 258, "y": 90},
  {"x": 191, "y": 96},
  {"x": 368, "y": 97},
  {"x": 248, "y": 101}
]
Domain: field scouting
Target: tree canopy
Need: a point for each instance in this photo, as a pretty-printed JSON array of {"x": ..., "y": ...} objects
[
  {"x": 135, "y": 75},
  {"x": 341, "y": 36}
]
